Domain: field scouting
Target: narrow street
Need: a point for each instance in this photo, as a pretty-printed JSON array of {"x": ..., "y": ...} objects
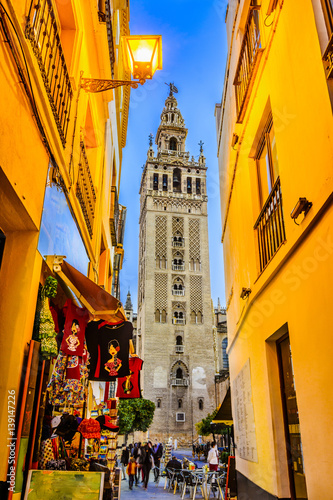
[{"x": 156, "y": 490}]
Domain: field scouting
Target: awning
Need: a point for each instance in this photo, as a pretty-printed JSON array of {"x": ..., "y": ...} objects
[
  {"x": 98, "y": 302},
  {"x": 224, "y": 413}
]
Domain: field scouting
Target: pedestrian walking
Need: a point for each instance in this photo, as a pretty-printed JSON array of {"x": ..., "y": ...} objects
[
  {"x": 124, "y": 459},
  {"x": 157, "y": 452},
  {"x": 131, "y": 472},
  {"x": 147, "y": 462},
  {"x": 213, "y": 457}
]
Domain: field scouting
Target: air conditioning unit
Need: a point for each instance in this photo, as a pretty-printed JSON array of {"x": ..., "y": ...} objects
[{"x": 180, "y": 417}]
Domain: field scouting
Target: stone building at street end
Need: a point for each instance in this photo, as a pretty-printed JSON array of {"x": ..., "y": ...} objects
[
  {"x": 275, "y": 149},
  {"x": 175, "y": 326}
]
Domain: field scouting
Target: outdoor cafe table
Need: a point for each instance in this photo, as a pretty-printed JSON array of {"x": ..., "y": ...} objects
[{"x": 206, "y": 478}]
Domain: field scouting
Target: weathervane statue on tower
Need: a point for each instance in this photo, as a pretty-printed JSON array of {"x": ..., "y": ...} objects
[{"x": 173, "y": 89}]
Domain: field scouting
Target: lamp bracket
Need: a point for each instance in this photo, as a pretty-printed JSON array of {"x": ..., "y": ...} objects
[{"x": 96, "y": 85}]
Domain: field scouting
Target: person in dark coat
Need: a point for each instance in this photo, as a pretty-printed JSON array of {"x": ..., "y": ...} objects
[
  {"x": 147, "y": 461},
  {"x": 124, "y": 459},
  {"x": 157, "y": 452},
  {"x": 174, "y": 464}
]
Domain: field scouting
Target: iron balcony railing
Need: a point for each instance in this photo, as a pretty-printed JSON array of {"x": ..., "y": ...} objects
[
  {"x": 179, "y": 348},
  {"x": 114, "y": 216},
  {"x": 270, "y": 226},
  {"x": 85, "y": 191},
  {"x": 328, "y": 59},
  {"x": 42, "y": 31},
  {"x": 250, "y": 49},
  {"x": 178, "y": 292},
  {"x": 179, "y": 381}
]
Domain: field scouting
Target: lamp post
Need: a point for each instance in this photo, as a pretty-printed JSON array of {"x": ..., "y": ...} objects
[{"x": 142, "y": 55}]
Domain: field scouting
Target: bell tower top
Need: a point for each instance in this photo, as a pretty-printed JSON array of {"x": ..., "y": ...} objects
[{"x": 171, "y": 133}]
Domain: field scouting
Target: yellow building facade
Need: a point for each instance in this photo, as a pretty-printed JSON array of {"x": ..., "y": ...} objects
[
  {"x": 275, "y": 149},
  {"x": 61, "y": 154}
]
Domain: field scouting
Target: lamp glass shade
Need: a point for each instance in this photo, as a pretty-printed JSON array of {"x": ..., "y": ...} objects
[{"x": 142, "y": 55}]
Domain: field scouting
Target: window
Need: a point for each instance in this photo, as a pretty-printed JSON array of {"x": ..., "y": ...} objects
[
  {"x": 189, "y": 185},
  {"x": 165, "y": 182},
  {"x": 179, "y": 340},
  {"x": 180, "y": 417},
  {"x": 200, "y": 404},
  {"x": 158, "y": 403},
  {"x": 180, "y": 403},
  {"x": 179, "y": 373},
  {"x": 173, "y": 144},
  {"x": 267, "y": 161},
  {"x": 164, "y": 316},
  {"x": 157, "y": 316},
  {"x": 177, "y": 180},
  {"x": 248, "y": 58},
  {"x": 270, "y": 223},
  {"x": 225, "y": 360},
  {"x": 197, "y": 186},
  {"x": 155, "y": 182},
  {"x": 193, "y": 317},
  {"x": 178, "y": 318},
  {"x": 327, "y": 6}
]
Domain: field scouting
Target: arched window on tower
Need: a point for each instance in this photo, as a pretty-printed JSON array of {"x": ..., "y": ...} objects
[
  {"x": 180, "y": 403},
  {"x": 200, "y": 403},
  {"x": 177, "y": 180},
  {"x": 164, "y": 316},
  {"x": 173, "y": 144},
  {"x": 179, "y": 373},
  {"x": 157, "y": 316},
  {"x": 179, "y": 340},
  {"x": 158, "y": 403},
  {"x": 199, "y": 317}
]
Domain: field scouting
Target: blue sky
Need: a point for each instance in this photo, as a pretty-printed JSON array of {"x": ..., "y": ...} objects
[{"x": 194, "y": 57}]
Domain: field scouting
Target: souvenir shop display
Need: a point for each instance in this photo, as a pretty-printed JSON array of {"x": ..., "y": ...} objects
[
  {"x": 108, "y": 346},
  {"x": 68, "y": 383},
  {"x": 129, "y": 387},
  {"x": 97, "y": 350}
]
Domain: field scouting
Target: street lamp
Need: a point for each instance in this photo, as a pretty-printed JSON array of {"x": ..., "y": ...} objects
[{"x": 142, "y": 57}]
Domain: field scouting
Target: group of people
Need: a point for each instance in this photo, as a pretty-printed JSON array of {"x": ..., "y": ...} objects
[{"x": 138, "y": 459}]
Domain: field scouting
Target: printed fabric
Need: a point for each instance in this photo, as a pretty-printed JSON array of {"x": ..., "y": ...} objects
[
  {"x": 108, "y": 346},
  {"x": 46, "y": 453},
  {"x": 68, "y": 380},
  {"x": 129, "y": 386},
  {"x": 76, "y": 320}
]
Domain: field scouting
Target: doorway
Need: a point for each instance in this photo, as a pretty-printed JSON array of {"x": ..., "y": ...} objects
[{"x": 291, "y": 421}]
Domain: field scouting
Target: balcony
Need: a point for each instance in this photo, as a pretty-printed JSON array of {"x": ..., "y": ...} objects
[
  {"x": 178, "y": 321},
  {"x": 249, "y": 54},
  {"x": 114, "y": 216},
  {"x": 179, "y": 243},
  {"x": 42, "y": 32},
  {"x": 179, "y": 349},
  {"x": 178, "y": 292},
  {"x": 328, "y": 59},
  {"x": 179, "y": 381},
  {"x": 178, "y": 267},
  {"x": 270, "y": 226},
  {"x": 85, "y": 191}
]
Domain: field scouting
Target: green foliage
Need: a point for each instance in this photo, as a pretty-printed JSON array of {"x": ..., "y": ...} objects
[
  {"x": 135, "y": 415},
  {"x": 50, "y": 287},
  {"x": 204, "y": 428}
]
